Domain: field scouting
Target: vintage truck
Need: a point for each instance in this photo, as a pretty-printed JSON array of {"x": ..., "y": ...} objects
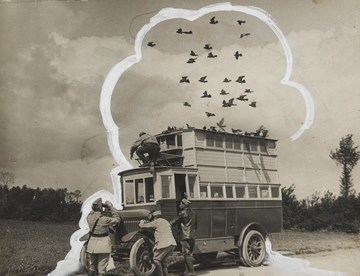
[{"x": 232, "y": 182}]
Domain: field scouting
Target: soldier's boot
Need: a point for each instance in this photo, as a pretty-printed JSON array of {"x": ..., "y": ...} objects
[
  {"x": 159, "y": 268},
  {"x": 91, "y": 273},
  {"x": 190, "y": 265}
]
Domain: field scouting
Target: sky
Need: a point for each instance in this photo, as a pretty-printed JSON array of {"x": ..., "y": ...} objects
[{"x": 56, "y": 56}]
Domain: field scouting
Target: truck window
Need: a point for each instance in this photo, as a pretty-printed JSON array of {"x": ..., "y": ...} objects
[
  {"x": 149, "y": 189},
  {"x": 253, "y": 192},
  {"x": 240, "y": 192},
  {"x": 165, "y": 186},
  {"x": 218, "y": 141},
  {"x": 229, "y": 192},
  {"x": 210, "y": 141},
  {"x": 275, "y": 192},
  {"x": 264, "y": 192},
  {"x": 237, "y": 143},
  {"x": 129, "y": 190},
  {"x": 216, "y": 191},
  {"x": 140, "y": 190},
  {"x": 192, "y": 181},
  {"x": 204, "y": 191}
]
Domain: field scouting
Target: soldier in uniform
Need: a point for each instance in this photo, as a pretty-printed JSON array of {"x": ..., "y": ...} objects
[
  {"x": 99, "y": 246},
  {"x": 146, "y": 143},
  {"x": 164, "y": 241},
  {"x": 187, "y": 223}
]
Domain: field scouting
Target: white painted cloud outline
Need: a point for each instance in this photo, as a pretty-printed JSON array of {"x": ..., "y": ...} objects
[{"x": 71, "y": 262}]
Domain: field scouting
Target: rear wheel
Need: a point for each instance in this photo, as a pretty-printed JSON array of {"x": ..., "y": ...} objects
[
  {"x": 141, "y": 257},
  {"x": 252, "y": 250},
  {"x": 205, "y": 258}
]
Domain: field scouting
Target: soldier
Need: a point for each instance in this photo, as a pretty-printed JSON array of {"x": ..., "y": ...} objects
[
  {"x": 99, "y": 246},
  {"x": 146, "y": 143},
  {"x": 187, "y": 222},
  {"x": 164, "y": 241}
]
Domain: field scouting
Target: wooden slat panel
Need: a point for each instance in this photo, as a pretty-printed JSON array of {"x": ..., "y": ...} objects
[
  {"x": 235, "y": 174},
  {"x": 268, "y": 162},
  {"x": 253, "y": 176},
  {"x": 234, "y": 159},
  {"x": 270, "y": 177},
  {"x": 188, "y": 140},
  {"x": 209, "y": 174},
  {"x": 252, "y": 161},
  {"x": 189, "y": 157},
  {"x": 213, "y": 158},
  {"x": 199, "y": 139}
]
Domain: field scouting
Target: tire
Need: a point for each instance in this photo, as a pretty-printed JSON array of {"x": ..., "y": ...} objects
[
  {"x": 84, "y": 258},
  {"x": 252, "y": 250},
  {"x": 141, "y": 257},
  {"x": 205, "y": 258}
]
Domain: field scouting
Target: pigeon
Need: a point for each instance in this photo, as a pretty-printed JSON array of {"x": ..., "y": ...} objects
[
  {"x": 236, "y": 131},
  {"x": 241, "y": 22},
  {"x": 212, "y": 20},
  {"x": 208, "y": 114},
  {"x": 229, "y": 103},
  {"x": 180, "y": 31},
  {"x": 187, "y": 104},
  {"x": 207, "y": 47},
  {"x": 226, "y": 80},
  {"x": 243, "y": 35},
  {"x": 242, "y": 98},
  {"x": 205, "y": 95},
  {"x": 189, "y": 127},
  {"x": 237, "y": 55},
  {"x": 210, "y": 55},
  {"x": 151, "y": 44},
  {"x": 184, "y": 79},
  {"x": 204, "y": 127},
  {"x": 192, "y": 53},
  {"x": 203, "y": 79},
  {"x": 241, "y": 79},
  {"x": 248, "y": 91},
  {"x": 191, "y": 60},
  {"x": 223, "y": 92},
  {"x": 221, "y": 124},
  {"x": 212, "y": 128},
  {"x": 253, "y": 104}
]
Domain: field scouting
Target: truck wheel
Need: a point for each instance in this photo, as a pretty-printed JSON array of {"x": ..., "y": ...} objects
[
  {"x": 252, "y": 250},
  {"x": 84, "y": 258},
  {"x": 205, "y": 258},
  {"x": 141, "y": 257}
]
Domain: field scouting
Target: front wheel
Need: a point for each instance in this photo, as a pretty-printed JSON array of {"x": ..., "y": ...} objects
[
  {"x": 252, "y": 250},
  {"x": 141, "y": 257}
]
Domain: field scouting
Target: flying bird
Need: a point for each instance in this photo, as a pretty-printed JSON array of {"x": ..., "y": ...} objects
[
  {"x": 236, "y": 131},
  {"x": 208, "y": 114},
  {"x": 242, "y": 98},
  {"x": 187, "y": 104},
  {"x": 207, "y": 47},
  {"x": 151, "y": 44},
  {"x": 191, "y": 60},
  {"x": 210, "y": 55},
  {"x": 229, "y": 103},
  {"x": 203, "y": 79},
  {"x": 237, "y": 55},
  {"x": 221, "y": 124},
  {"x": 253, "y": 104},
  {"x": 192, "y": 53},
  {"x": 212, "y": 20},
  {"x": 205, "y": 95},
  {"x": 243, "y": 35},
  {"x": 223, "y": 92},
  {"x": 248, "y": 91},
  {"x": 226, "y": 80},
  {"x": 212, "y": 128},
  {"x": 241, "y": 22},
  {"x": 184, "y": 79},
  {"x": 180, "y": 31},
  {"x": 241, "y": 79}
]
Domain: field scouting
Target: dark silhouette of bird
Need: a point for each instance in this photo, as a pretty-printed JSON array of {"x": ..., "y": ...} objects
[
  {"x": 212, "y": 128},
  {"x": 204, "y": 127},
  {"x": 210, "y": 55},
  {"x": 237, "y": 55},
  {"x": 207, "y": 47},
  {"x": 151, "y": 44},
  {"x": 203, "y": 79},
  {"x": 221, "y": 124},
  {"x": 187, "y": 104},
  {"x": 241, "y": 22},
  {"x": 253, "y": 104},
  {"x": 242, "y": 98},
  {"x": 226, "y": 80},
  {"x": 236, "y": 131},
  {"x": 243, "y": 35},
  {"x": 205, "y": 95},
  {"x": 180, "y": 31},
  {"x": 191, "y": 60},
  {"x": 248, "y": 91},
  {"x": 192, "y": 53},
  {"x": 213, "y": 21},
  {"x": 171, "y": 128},
  {"x": 241, "y": 79},
  {"x": 230, "y": 103},
  {"x": 189, "y": 127},
  {"x": 184, "y": 79},
  {"x": 208, "y": 114},
  {"x": 223, "y": 92}
]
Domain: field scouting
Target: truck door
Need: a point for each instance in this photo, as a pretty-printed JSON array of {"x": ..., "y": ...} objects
[{"x": 180, "y": 187}]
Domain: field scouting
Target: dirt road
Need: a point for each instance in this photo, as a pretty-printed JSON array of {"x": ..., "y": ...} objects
[{"x": 346, "y": 261}]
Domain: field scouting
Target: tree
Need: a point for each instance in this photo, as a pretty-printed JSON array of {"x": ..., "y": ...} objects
[
  {"x": 7, "y": 178},
  {"x": 347, "y": 157}
]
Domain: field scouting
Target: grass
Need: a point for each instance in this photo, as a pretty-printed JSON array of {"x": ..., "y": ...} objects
[{"x": 33, "y": 248}]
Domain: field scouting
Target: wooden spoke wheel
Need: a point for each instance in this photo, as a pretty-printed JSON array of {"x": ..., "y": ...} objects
[
  {"x": 252, "y": 250},
  {"x": 141, "y": 257},
  {"x": 205, "y": 258}
]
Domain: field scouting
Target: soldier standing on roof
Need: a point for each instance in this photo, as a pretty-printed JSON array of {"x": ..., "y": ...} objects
[
  {"x": 146, "y": 143},
  {"x": 187, "y": 222}
]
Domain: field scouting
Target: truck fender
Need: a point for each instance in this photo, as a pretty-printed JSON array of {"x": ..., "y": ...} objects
[
  {"x": 251, "y": 226},
  {"x": 131, "y": 235}
]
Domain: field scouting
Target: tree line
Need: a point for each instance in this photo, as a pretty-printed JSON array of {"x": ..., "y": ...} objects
[{"x": 50, "y": 205}]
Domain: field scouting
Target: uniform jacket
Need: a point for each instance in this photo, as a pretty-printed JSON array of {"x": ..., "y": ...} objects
[
  {"x": 188, "y": 224},
  {"x": 142, "y": 140},
  {"x": 163, "y": 233},
  {"x": 99, "y": 245}
]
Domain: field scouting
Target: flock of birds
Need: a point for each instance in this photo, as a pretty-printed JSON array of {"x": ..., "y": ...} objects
[{"x": 241, "y": 79}]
